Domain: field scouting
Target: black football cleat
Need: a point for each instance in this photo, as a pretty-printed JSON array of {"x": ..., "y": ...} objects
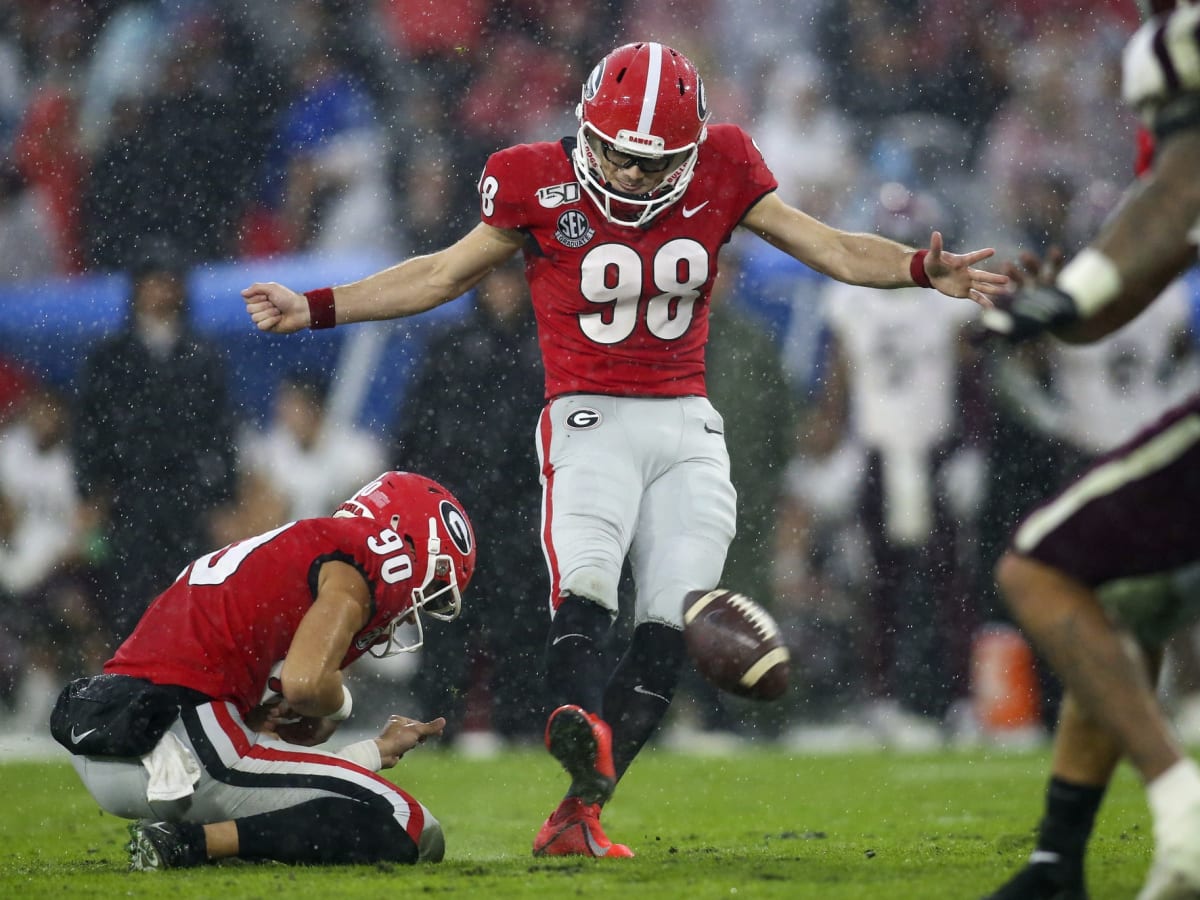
[
  {"x": 165, "y": 845},
  {"x": 1047, "y": 880}
]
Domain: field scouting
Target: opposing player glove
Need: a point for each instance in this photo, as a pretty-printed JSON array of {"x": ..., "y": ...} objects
[{"x": 1029, "y": 311}]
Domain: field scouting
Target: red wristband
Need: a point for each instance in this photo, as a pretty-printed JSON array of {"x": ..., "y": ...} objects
[
  {"x": 916, "y": 269},
  {"x": 321, "y": 313}
]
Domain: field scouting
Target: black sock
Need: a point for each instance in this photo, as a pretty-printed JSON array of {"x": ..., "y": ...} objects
[
  {"x": 575, "y": 669},
  {"x": 327, "y": 831},
  {"x": 640, "y": 690},
  {"x": 1068, "y": 821}
]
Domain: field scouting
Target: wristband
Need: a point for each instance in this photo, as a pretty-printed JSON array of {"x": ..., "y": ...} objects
[
  {"x": 321, "y": 313},
  {"x": 1091, "y": 279},
  {"x": 343, "y": 712},
  {"x": 364, "y": 753},
  {"x": 916, "y": 269}
]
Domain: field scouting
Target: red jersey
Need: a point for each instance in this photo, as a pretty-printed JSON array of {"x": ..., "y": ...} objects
[
  {"x": 232, "y": 614},
  {"x": 622, "y": 310}
]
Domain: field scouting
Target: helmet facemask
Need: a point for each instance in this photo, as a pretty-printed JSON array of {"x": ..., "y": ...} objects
[
  {"x": 618, "y": 207},
  {"x": 396, "y": 498},
  {"x": 443, "y": 602}
]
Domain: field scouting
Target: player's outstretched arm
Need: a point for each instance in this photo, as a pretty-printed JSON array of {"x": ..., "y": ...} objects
[
  {"x": 413, "y": 286},
  {"x": 871, "y": 260}
]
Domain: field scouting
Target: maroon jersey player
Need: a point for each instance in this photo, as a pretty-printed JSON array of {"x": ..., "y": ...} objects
[
  {"x": 1101, "y": 574},
  {"x": 204, "y": 724},
  {"x": 621, "y": 226}
]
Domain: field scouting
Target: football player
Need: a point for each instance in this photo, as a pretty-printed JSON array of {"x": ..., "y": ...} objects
[
  {"x": 1116, "y": 554},
  {"x": 621, "y": 226},
  {"x": 202, "y": 726}
]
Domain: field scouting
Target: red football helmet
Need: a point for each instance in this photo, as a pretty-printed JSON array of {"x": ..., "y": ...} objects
[
  {"x": 408, "y": 504},
  {"x": 643, "y": 100}
]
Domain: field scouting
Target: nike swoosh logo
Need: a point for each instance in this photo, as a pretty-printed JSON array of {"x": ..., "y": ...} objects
[
  {"x": 76, "y": 738},
  {"x": 595, "y": 847},
  {"x": 638, "y": 689},
  {"x": 563, "y": 637},
  {"x": 1043, "y": 857},
  {"x": 688, "y": 212},
  {"x": 712, "y": 430}
]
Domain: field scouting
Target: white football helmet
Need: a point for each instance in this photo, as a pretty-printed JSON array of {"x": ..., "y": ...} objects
[
  {"x": 424, "y": 515},
  {"x": 1161, "y": 67},
  {"x": 643, "y": 103}
]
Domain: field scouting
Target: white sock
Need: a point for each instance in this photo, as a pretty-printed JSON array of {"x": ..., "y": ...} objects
[{"x": 1173, "y": 794}]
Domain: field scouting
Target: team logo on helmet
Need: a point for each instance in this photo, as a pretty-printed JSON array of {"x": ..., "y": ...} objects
[
  {"x": 574, "y": 229},
  {"x": 701, "y": 100},
  {"x": 592, "y": 85},
  {"x": 584, "y": 418},
  {"x": 456, "y": 526}
]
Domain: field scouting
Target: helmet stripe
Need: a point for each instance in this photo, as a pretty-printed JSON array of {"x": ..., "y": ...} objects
[{"x": 650, "y": 98}]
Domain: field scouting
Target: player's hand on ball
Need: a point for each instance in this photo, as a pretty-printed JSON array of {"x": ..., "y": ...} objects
[
  {"x": 401, "y": 734},
  {"x": 305, "y": 730}
]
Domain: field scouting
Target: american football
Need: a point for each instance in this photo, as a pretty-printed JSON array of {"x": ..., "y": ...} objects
[{"x": 735, "y": 644}]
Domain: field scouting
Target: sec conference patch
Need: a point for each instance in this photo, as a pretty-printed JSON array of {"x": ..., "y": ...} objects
[{"x": 574, "y": 230}]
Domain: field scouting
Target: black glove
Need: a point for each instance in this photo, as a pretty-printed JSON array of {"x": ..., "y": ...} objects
[{"x": 1029, "y": 311}]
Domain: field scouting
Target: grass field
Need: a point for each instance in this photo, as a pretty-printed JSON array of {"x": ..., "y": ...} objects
[{"x": 763, "y": 823}]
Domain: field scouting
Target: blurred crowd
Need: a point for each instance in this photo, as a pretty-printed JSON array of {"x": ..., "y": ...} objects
[{"x": 881, "y": 458}]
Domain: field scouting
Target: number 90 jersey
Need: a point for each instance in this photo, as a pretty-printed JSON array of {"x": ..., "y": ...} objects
[
  {"x": 622, "y": 310},
  {"x": 232, "y": 614}
]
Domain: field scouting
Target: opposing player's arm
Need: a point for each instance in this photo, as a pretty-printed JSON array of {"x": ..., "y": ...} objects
[
  {"x": 311, "y": 676},
  {"x": 418, "y": 284},
  {"x": 1147, "y": 243},
  {"x": 1151, "y": 240},
  {"x": 871, "y": 260}
]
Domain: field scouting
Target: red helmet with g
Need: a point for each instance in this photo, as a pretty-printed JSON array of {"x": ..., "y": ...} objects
[
  {"x": 429, "y": 519},
  {"x": 646, "y": 101}
]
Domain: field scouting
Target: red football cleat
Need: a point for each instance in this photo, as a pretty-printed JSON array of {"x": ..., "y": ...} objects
[
  {"x": 574, "y": 830},
  {"x": 582, "y": 742}
]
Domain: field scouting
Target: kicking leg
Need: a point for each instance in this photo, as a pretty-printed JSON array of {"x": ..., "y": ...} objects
[{"x": 640, "y": 690}]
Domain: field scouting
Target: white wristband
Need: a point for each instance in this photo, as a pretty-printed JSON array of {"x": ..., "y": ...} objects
[
  {"x": 1091, "y": 279},
  {"x": 364, "y": 753},
  {"x": 343, "y": 712}
]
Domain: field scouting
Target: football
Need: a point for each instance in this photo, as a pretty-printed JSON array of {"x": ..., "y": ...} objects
[{"x": 735, "y": 644}]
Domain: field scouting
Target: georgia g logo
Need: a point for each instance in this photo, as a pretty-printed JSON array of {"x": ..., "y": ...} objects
[
  {"x": 583, "y": 418},
  {"x": 592, "y": 85},
  {"x": 456, "y": 526}
]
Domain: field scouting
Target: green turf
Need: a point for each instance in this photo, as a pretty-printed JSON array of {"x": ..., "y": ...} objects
[{"x": 763, "y": 824}]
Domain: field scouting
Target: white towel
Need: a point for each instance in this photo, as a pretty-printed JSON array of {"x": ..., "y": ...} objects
[{"x": 173, "y": 770}]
